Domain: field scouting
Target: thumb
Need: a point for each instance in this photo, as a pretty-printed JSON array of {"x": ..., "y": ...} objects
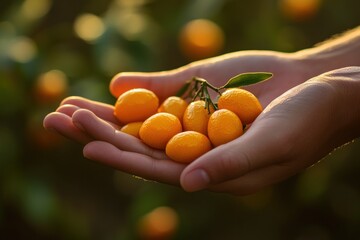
[
  {"x": 163, "y": 84},
  {"x": 257, "y": 148}
]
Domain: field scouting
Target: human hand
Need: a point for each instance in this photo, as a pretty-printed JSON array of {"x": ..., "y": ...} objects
[
  {"x": 93, "y": 123},
  {"x": 108, "y": 146},
  {"x": 295, "y": 131}
]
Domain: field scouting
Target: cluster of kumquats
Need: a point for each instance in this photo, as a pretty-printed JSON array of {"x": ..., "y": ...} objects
[{"x": 184, "y": 128}]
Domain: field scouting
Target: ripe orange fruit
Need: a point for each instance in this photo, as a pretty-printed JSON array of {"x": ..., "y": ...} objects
[
  {"x": 196, "y": 117},
  {"x": 160, "y": 224},
  {"x": 136, "y": 105},
  {"x": 132, "y": 128},
  {"x": 186, "y": 146},
  {"x": 174, "y": 105},
  {"x": 224, "y": 126},
  {"x": 243, "y": 103},
  {"x": 157, "y": 130},
  {"x": 201, "y": 38}
]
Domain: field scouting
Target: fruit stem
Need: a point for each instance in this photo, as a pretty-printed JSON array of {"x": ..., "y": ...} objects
[
  {"x": 203, "y": 92},
  {"x": 203, "y": 81},
  {"x": 209, "y": 101}
]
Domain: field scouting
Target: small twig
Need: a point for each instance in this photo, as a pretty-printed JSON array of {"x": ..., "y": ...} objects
[{"x": 203, "y": 93}]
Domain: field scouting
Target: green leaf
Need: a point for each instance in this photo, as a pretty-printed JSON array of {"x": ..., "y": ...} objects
[
  {"x": 247, "y": 79},
  {"x": 183, "y": 89}
]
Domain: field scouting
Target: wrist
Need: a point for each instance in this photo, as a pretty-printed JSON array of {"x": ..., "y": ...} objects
[
  {"x": 335, "y": 53},
  {"x": 346, "y": 84}
]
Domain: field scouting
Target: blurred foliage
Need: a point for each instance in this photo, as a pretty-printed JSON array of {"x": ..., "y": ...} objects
[{"x": 49, "y": 191}]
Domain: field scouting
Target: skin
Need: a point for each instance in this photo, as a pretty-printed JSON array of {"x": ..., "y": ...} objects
[{"x": 309, "y": 110}]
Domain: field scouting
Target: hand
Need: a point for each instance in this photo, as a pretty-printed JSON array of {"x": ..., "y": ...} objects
[
  {"x": 295, "y": 131},
  {"x": 93, "y": 124},
  {"x": 110, "y": 146}
]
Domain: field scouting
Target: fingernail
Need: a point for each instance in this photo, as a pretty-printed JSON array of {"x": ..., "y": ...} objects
[{"x": 196, "y": 180}]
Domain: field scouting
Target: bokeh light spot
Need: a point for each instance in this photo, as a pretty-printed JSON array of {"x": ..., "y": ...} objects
[
  {"x": 201, "y": 38},
  {"x": 89, "y": 27},
  {"x": 130, "y": 24},
  {"x": 51, "y": 85},
  {"x": 160, "y": 223},
  {"x": 114, "y": 59},
  {"x": 22, "y": 49},
  {"x": 34, "y": 9},
  {"x": 299, "y": 10},
  {"x": 131, "y": 3}
]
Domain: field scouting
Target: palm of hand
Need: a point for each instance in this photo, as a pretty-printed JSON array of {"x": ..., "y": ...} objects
[{"x": 93, "y": 123}]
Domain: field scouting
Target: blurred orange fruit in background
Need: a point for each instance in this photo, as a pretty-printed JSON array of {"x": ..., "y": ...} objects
[
  {"x": 201, "y": 38},
  {"x": 299, "y": 10},
  {"x": 51, "y": 86},
  {"x": 159, "y": 224}
]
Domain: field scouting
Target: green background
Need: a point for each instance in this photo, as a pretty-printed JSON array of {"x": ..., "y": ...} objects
[{"x": 49, "y": 191}]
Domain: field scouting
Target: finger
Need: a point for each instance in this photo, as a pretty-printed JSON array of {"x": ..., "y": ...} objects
[
  {"x": 134, "y": 163},
  {"x": 164, "y": 83},
  {"x": 260, "y": 146},
  {"x": 103, "y": 131},
  {"x": 102, "y": 110},
  {"x": 62, "y": 124},
  {"x": 69, "y": 110},
  {"x": 256, "y": 180}
]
